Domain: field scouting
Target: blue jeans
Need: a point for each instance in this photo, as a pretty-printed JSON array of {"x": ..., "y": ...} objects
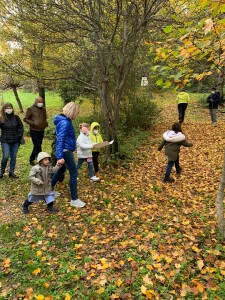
[
  {"x": 9, "y": 150},
  {"x": 170, "y": 166},
  {"x": 71, "y": 166},
  {"x": 90, "y": 166}
]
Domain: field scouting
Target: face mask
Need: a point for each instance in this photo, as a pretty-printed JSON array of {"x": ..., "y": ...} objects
[
  {"x": 8, "y": 111},
  {"x": 40, "y": 104},
  {"x": 213, "y": 92},
  {"x": 95, "y": 131}
]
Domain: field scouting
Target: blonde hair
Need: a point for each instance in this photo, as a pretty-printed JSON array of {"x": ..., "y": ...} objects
[
  {"x": 71, "y": 110},
  {"x": 86, "y": 125}
]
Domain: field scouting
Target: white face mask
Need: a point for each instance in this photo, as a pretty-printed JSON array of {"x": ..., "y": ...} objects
[
  {"x": 40, "y": 104},
  {"x": 213, "y": 92},
  {"x": 95, "y": 131},
  {"x": 8, "y": 111}
]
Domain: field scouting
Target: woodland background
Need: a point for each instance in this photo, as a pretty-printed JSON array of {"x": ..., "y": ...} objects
[{"x": 137, "y": 237}]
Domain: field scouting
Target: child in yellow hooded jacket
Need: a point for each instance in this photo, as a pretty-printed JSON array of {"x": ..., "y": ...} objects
[{"x": 96, "y": 138}]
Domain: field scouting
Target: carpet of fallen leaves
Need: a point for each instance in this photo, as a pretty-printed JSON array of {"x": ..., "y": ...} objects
[{"x": 137, "y": 238}]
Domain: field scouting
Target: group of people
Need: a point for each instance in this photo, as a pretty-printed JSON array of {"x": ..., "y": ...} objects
[
  {"x": 43, "y": 175},
  {"x": 174, "y": 138}
]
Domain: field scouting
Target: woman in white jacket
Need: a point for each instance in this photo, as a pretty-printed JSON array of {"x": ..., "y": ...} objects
[{"x": 84, "y": 153}]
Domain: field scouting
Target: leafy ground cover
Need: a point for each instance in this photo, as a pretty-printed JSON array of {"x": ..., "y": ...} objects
[{"x": 137, "y": 238}]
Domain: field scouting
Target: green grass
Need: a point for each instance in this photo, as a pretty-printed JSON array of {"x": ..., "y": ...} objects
[{"x": 53, "y": 100}]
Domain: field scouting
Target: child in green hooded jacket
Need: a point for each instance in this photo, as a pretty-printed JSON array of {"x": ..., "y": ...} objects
[{"x": 96, "y": 138}]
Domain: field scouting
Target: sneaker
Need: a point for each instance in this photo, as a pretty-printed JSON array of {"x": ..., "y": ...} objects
[
  {"x": 12, "y": 175},
  {"x": 25, "y": 209},
  {"x": 77, "y": 203},
  {"x": 52, "y": 209},
  {"x": 57, "y": 194},
  {"x": 168, "y": 179},
  {"x": 94, "y": 178}
]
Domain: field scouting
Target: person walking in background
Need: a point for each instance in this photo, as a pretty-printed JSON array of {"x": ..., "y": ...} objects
[
  {"x": 36, "y": 117},
  {"x": 213, "y": 100},
  {"x": 65, "y": 147},
  {"x": 11, "y": 134},
  {"x": 182, "y": 101},
  {"x": 40, "y": 177},
  {"x": 172, "y": 140},
  {"x": 84, "y": 151},
  {"x": 95, "y": 138}
]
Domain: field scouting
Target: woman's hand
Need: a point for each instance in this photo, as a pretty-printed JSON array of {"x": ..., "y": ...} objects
[{"x": 61, "y": 161}]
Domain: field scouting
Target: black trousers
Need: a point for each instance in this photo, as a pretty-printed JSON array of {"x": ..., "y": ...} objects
[
  {"x": 37, "y": 138},
  {"x": 95, "y": 160},
  {"x": 181, "y": 110}
]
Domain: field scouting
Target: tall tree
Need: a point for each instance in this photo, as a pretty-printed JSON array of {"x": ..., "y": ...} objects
[{"x": 111, "y": 31}]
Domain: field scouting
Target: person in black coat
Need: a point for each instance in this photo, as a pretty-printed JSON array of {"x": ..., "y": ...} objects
[
  {"x": 11, "y": 133},
  {"x": 213, "y": 100}
]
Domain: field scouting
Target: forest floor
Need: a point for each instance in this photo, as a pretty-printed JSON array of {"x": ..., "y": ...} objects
[{"x": 137, "y": 237}]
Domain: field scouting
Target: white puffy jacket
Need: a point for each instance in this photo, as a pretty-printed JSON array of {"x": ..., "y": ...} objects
[{"x": 84, "y": 146}]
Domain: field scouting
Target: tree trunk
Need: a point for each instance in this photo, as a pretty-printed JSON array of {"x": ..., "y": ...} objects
[
  {"x": 41, "y": 92},
  {"x": 17, "y": 98},
  {"x": 219, "y": 203}
]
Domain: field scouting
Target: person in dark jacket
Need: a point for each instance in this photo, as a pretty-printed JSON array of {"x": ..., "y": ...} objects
[
  {"x": 11, "y": 134},
  {"x": 213, "y": 100},
  {"x": 65, "y": 147},
  {"x": 172, "y": 140},
  {"x": 36, "y": 117}
]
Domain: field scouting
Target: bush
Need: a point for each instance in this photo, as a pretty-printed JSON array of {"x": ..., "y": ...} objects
[{"x": 138, "y": 113}]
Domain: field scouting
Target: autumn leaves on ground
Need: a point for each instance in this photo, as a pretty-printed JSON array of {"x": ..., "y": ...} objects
[{"x": 137, "y": 238}]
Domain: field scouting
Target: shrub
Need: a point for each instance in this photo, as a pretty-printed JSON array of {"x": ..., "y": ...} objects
[{"x": 137, "y": 113}]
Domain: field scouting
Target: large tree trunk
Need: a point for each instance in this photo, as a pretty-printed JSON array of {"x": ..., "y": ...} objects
[
  {"x": 17, "y": 98},
  {"x": 41, "y": 92},
  {"x": 219, "y": 203}
]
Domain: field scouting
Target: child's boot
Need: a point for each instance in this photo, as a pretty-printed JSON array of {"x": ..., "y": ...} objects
[
  {"x": 51, "y": 208},
  {"x": 25, "y": 206},
  {"x": 168, "y": 179}
]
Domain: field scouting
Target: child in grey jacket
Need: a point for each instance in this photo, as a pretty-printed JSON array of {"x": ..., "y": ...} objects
[
  {"x": 172, "y": 140},
  {"x": 40, "y": 176},
  {"x": 84, "y": 150}
]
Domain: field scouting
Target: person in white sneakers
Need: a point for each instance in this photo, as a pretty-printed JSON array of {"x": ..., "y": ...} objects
[
  {"x": 84, "y": 151},
  {"x": 65, "y": 146}
]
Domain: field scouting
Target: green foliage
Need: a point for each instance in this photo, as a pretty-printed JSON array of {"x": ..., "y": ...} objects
[
  {"x": 133, "y": 108},
  {"x": 202, "y": 101}
]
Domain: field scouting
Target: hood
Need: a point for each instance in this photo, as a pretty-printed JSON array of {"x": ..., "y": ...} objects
[
  {"x": 59, "y": 118},
  {"x": 93, "y": 125},
  {"x": 182, "y": 95},
  {"x": 42, "y": 155},
  {"x": 171, "y": 136}
]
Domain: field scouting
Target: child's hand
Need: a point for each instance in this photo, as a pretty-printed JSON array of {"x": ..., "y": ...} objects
[{"x": 41, "y": 182}]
